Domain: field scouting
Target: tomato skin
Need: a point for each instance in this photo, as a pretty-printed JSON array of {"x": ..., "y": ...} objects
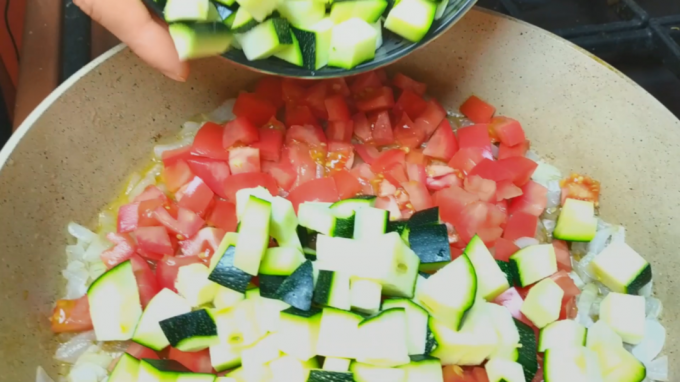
[
  {"x": 340, "y": 130},
  {"x": 451, "y": 202},
  {"x": 317, "y": 190},
  {"x": 475, "y": 136},
  {"x": 484, "y": 188},
  {"x": 186, "y": 224},
  {"x": 284, "y": 174},
  {"x": 271, "y": 89},
  {"x": 340, "y": 156},
  {"x": 471, "y": 219},
  {"x": 365, "y": 82},
  {"x": 208, "y": 142},
  {"x": 308, "y": 134},
  {"x": 124, "y": 247},
  {"x": 419, "y": 196},
  {"x": 256, "y": 109},
  {"x": 223, "y": 216},
  {"x": 198, "y": 362},
  {"x": 270, "y": 143},
  {"x": 416, "y": 156},
  {"x": 466, "y": 159},
  {"x": 411, "y": 104},
  {"x": 505, "y": 189},
  {"x": 177, "y": 175},
  {"x": 367, "y": 153},
  {"x": 299, "y": 156},
  {"x": 362, "y": 128},
  {"x": 314, "y": 98},
  {"x": 169, "y": 157},
  {"x": 195, "y": 196},
  {"x": 380, "y": 99},
  {"x": 520, "y": 168},
  {"x": 562, "y": 255},
  {"x": 240, "y": 130},
  {"x": 213, "y": 173},
  {"x": 533, "y": 200},
  {"x": 299, "y": 115},
  {"x": 154, "y": 241},
  {"x": 408, "y": 134},
  {"x": 71, "y": 316},
  {"x": 389, "y": 203},
  {"x": 249, "y": 180},
  {"x": 492, "y": 170},
  {"x": 519, "y": 150},
  {"x": 337, "y": 108},
  {"x": 477, "y": 110},
  {"x": 443, "y": 144},
  {"x": 519, "y": 225},
  {"x": 365, "y": 176},
  {"x": 243, "y": 160},
  {"x": 167, "y": 268},
  {"x": 204, "y": 244},
  {"x": 387, "y": 159},
  {"x": 404, "y": 82},
  {"x": 146, "y": 280},
  {"x": 436, "y": 184},
  {"x": 508, "y": 130},
  {"x": 347, "y": 184},
  {"x": 292, "y": 90},
  {"x": 504, "y": 249},
  {"x": 382, "y": 128},
  {"x": 431, "y": 117}
]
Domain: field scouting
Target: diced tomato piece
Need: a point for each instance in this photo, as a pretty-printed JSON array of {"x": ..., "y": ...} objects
[
  {"x": 151, "y": 193},
  {"x": 300, "y": 115},
  {"x": 249, "y": 180},
  {"x": 451, "y": 202},
  {"x": 71, "y": 316},
  {"x": 416, "y": 156},
  {"x": 508, "y": 130},
  {"x": 317, "y": 190},
  {"x": 443, "y": 144},
  {"x": 431, "y": 117},
  {"x": 475, "y": 136},
  {"x": 244, "y": 160},
  {"x": 340, "y": 156},
  {"x": 337, "y": 86},
  {"x": 569, "y": 310},
  {"x": 140, "y": 351},
  {"x": 308, "y": 134},
  {"x": 504, "y": 249},
  {"x": 347, "y": 184},
  {"x": 208, "y": 142},
  {"x": 471, "y": 219},
  {"x": 380, "y": 99},
  {"x": 292, "y": 89},
  {"x": 366, "y": 177},
  {"x": 365, "y": 83},
  {"x": 186, "y": 224},
  {"x": 410, "y": 103},
  {"x": 580, "y": 187},
  {"x": 314, "y": 98},
  {"x": 213, "y": 173},
  {"x": 198, "y": 362},
  {"x": 562, "y": 255},
  {"x": 505, "y": 189},
  {"x": 567, "y": 284},
  {"x": 167, "y": 268},
  {"x": 464, "y": 160},
  {"x": 341, "y": 131},
  {"x": 269, "y": 144},
  {"x": 389, "y": 203},
  {"x": 239, "y": 131},
  {"x": 154, "y": 240},
  {"x": 513, "y": 300},
  {"x": 519, "y": 225},
  {"x": 492, "y": 170},
  {"x": 520, "y": 168},
  {"x": 416, "y": 172},
  {"x": 204, "y": 244},
  {"x": 477, "y": 110},
  {"x": 130, "y": 215},
  {"x": 418, "y": 194},
  {"x": 533, "y": 200},
  {"x": 337, "y": 108},
  {"x": 408, "y": 134},
  {"x": 300, "y": 158},
  {"x": 123, "y": 248},
  {"x": 382, "y": 128},
  {"x": 195, "y": 195},
  {"x": 519, "y": 150},
  {"x": 169, "y": 157},
  {"x": 362, "y": 128},
  {"x": 407, "y": 83},
  {"x": 386, "y": 188},
  {"x": 253, "y": 107},
  {"x": 480, "y": 374},
  {"x": 271, "y": 89},
  {"x": 177, "y": 175},
  {"x": 484, "y": 188},
  {"x": 436, "y": 184},
  {"x": 146, "y": 280},
  {"x": 396, "y": 174},
  {"x": 223, "y": 216},
  {"x": 438, "y": 170},
  {"x": 284, "y": 174},
  {"x": 388, "y": 159}
]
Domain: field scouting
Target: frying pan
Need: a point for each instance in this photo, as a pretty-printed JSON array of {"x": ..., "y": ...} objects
[{"x": 71, "y": 155}]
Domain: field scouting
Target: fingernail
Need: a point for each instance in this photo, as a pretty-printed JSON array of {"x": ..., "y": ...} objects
[{"x": 176, "y": 77}]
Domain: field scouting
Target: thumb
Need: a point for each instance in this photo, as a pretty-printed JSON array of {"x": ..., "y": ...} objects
[{"x": 130, "y": 21}]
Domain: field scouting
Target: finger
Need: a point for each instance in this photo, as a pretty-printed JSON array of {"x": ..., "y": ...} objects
[{"x": 130, "y": 21}]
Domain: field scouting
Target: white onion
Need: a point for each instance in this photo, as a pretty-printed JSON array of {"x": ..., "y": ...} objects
[
  {"x": 577, "y": 280},
  {"x": 532, "y": 155},
  {"x": 587, "y": 297},
  {"x": 107, "y": 222},
  {"x": 653, "y": 307},
  {"x": 554, "y": 194},
  {"x": 595, "y": 307},
  {"x": 652, "y": 342},
  {"x": 96, "y": 269},
  {"x": 41, "y": 376},
  {"x": 549, "y": 226},
  {"x": 600, "y": 240},
  {"x": 603, "y": 289},
  {"x": 76, "y": 275},
  {"x": 579, "y": 247},
  {"x": 87, "y": 372},
  {"x": 158, "y": 150},
  {"x": 134, "y": 179},
  {"x": 657, "y": 370},
  {"x": 81, "y": 233},
  {"x": 494, "y": 151},
  {"x": 189, "y": 129},
  {"x": 70, "y": 351},
  {"x": 95, "y": 356},
  {"x": 148, "y": 180},
  {"x": 583, "y": 266},
  {"x": 524, "y": 242},
  {"x": 95, "y": 249},
  {"x": 544, "y": 173},
  {"x": 224, "y": 112},
  {"x": 75, "y": 253}
]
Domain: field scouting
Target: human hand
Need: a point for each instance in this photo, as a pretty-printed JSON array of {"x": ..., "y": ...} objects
[{"x": 148, "y": 37}]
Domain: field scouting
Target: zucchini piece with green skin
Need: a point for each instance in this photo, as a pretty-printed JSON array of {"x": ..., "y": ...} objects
[
  {"x": 226, "y": 274},
  {"x": 576, "y": 222},
  {"x": 260, "y": 9},
  {"x": 601, "y": 333},
  {"x": 501, "y": 370},
  {"x": 193, "y": 284},
  {"x": 625, "y": 314},
  {"x": 198, "y": 40},
  {"x": 423, "y": 368},
  {"x": 371, "y": 373},
  {"x": 321, "y": 219},
  {"x": 339, "y": 333},
  {"x": 527, "y": 350},
  {"x": 302, "y": 12},
  {"x": 164, "y": 305},
  {"x": 336, "y": 364},
  {"x": 315, "y": 42},
  {"x": 352, "y": 43},
  {"x": 430, "y": 268},
  {"x": 307, "y": 239},
  {"x": 269, "y": 312},
  {"x": 292, "y": 368},
  {"x": 333, "y": 289},
  {"x": 416, "y": 324},
  {"x": 345, "y": 208},
  {"x": 191, "y": 331},
  {"x": 226, "y": 298},
  {"x": 239, "y": 326},
  {"x": 573, "y": 364},
  {"x": 240, "y": 21},
  {"x": 561, "y": 333},
  {"x": 115, "y": 307},
  {"x": 253, "y": 238},
  {"x": 370, "y": 222},
  {"x": 491, "y": 281},
  {"x": 617, "y": 364},
  {"x": 299, "y": 332},
  {"x": 621, "y": 269},
  {"x": 330, "y": 376},
  {"x": 261, "y": 352},
  {"x": 367, "y": 10},
  {"x": 378, "y": 30},
  {"x": 384, "y": 339},
  {"x": 291, "y": 53},
  {"x": 225, "y": 356},
  {"x": 533, "y": 263},
  {"x": 126, "y": 369},
  {"x": 543, "y": 303},
  {"x": 430, "y": 243},
  {"x": 411, "y": 19},
  {"x": 507, "y": 270},
  {"x": 156, "y": 370},
  {"x": 228, "y": 3},
  {"x": 450, "y": 293},
  {"x": 265, "y": 39},
  {"x": 508, "y": 335},
  {"x": 431, "y": 343},
  {"x": 281, "y": 261},
  {"x": 269, "y": 285},
  {"x": 196, "y": 377},
  {"x": 441, "y": 8},
  {"x": 186, "y": 10},
  {"x": 297, "y": 289},
  {"x": 425, "y": 217},
  {"x": 365, "y": 296},
  {"x": 283, "y": 221}
]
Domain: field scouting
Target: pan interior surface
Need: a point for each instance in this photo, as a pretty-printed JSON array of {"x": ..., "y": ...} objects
[{"x": 70, "y": 157}]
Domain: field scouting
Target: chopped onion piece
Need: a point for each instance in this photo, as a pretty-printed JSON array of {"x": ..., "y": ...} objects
[
  {"x": 554, "y": 194},
  {"x": 584, "y": 265},
  {"x": 87, "y": 372},
  {"x": 577, "y": 280},
  {"x": 524, "y": 242},
  {"x": 96, "y": 248},
  {"x": 646, "y": 290},
  {"x": 134, "y": 179},
  {"x": 190, "y": 128},
  {"x": 96, "y": 269},
  {"x": 76, "y": 275},
  {"x": 75, "y": 253},
  {"x": 657, "y": 370},
  {"x": 81, "y": 233},
  {"x": 108, "y": 222},
  {"x": 549, "y": 226},
  {"x": 148, "y": 180},
  {"x": 652, "y": 342},
  {"x": 579, "y": 248},
  {"x": 158, "y": 150},
  {"x": 224, "y": 112},
  {"x": 41, "y": 376},
  {"x": 653, "y": 307},
  {"x": 595, "y": 307},
  {"x": 544, "y": 173},
  {"x": 70, "y": 351},
  {"x": 587, "y": 297}
]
